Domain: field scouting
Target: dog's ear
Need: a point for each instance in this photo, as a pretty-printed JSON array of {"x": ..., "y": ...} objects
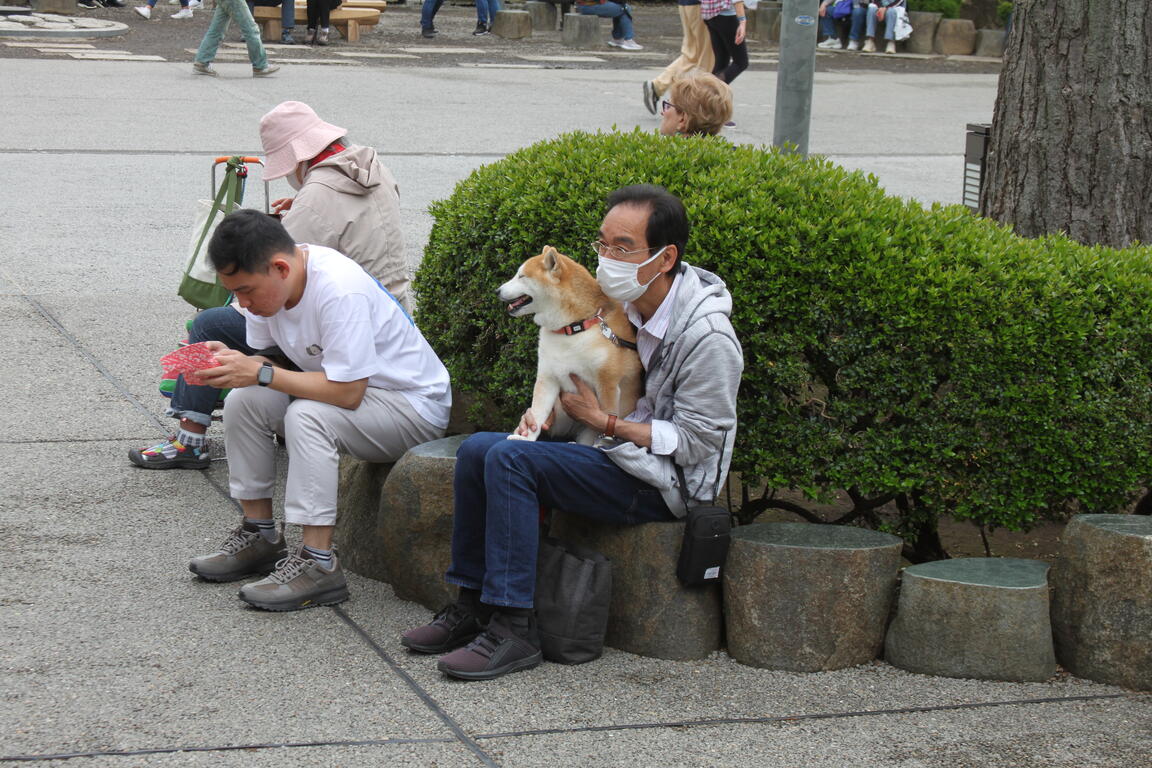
[{"x": 551, "y": 259}]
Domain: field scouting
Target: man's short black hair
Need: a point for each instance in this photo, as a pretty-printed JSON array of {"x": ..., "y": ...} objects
[
  {"x": 246, "y": 240},
  {"x": 667, "y": 219}
]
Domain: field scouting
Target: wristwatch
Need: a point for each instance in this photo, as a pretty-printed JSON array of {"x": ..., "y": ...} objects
[{"x": 264, "y": 375}]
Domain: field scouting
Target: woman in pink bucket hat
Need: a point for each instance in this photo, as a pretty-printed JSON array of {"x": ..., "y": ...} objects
[{"x": 346, "y": 200}]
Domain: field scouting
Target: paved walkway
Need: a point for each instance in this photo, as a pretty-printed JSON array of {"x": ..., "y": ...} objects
[{"x": 111, "y": 651}]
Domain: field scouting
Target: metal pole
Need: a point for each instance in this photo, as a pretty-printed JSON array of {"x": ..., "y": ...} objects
[{"x": 794, "y": 76}]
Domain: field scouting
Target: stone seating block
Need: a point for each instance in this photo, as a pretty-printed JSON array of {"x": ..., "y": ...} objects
[
  {"x": 990, "y": 42},
  {"x": 1102, "y": 599},
  {"x": 806, "y": 598},
  {"x": 357, "y": 536},
  {"x": 955, "y": 37},
  {"x": 544, "y": 15},
  {"x": 582, "y": 31},
  {"x": 980, "y": 617},
  {"x": 651, "y": 613},
  {"x": 923, "y": 37},
  {"x": 414, "y": 525},
  {"x": 62, "y": 7},
  {"x": 512, "y": 25}
]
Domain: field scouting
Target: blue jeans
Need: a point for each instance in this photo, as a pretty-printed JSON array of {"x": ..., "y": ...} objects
[
  {"x": 287, "y": 10},
  {"x": 226, "y": 11},
  {"x": 428, "y": 12},
  {"x": 621, "y": 16},
  {"x": 486, "y": 11},
  {"x": 889, "y": 23},
  {"x": 499, "y": 487},
  {"x": 856, "y": 28},
  {"x": 219, "y": 324}
]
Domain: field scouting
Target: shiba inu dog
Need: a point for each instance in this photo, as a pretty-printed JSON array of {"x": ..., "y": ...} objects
[{"x": 582, "y": 331}]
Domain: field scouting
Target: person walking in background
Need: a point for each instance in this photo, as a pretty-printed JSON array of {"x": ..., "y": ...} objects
[
  {"x": 226, "y": 11},
  {"x": 621, "y": 15},
  {"x": 726, "y": 25},
  {"x": 697, "y": 105},
  {"x": 695, "y": 52},
  {"x": 427, "y": 17},
  {"x": 485, "y": 15},
  {"x": 185, "y": 11}
]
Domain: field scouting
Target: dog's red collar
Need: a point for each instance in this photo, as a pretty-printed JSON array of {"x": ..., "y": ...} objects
[{"x": 582, "y": 325}]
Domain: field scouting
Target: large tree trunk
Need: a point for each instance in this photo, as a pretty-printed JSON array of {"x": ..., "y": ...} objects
[{"x": 1071, "y": 142}]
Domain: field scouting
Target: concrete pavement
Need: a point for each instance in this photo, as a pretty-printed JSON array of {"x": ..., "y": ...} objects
[{"x": 110, "y": 650}]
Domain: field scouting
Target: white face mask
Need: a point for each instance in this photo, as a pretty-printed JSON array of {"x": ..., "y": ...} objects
[{"x": 618, "y": 278}]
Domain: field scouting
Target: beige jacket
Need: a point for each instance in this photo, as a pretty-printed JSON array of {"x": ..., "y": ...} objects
[{"x": 350, "y": 202}]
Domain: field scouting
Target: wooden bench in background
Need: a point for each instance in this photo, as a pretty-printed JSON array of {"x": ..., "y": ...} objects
[{"x": 346, "y": 19}]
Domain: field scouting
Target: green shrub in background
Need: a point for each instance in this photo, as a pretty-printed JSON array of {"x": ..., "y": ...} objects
[
  {"x": 1003, "y": 11},
  {"x": 924, "y": 358},
  {"x": 950, "y": 8}
]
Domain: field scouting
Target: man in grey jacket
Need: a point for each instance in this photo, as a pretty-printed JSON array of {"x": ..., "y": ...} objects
[{"x": 686, "y": 417}]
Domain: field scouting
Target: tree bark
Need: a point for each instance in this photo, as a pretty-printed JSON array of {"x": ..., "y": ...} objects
[{"x": 1071, "y": 142}]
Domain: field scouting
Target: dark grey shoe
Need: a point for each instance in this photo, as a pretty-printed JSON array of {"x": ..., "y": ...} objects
[
  {"x": 453, "y": 627},
  {"x": 509, "y": 644},
  {"x": 298, "y": 582},
  {"x": 244, "y": 553},
  {"x": 650, "y": 97}
]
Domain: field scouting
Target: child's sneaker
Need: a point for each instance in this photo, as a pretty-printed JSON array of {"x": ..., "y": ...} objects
[{"x": 171, "y": 454}]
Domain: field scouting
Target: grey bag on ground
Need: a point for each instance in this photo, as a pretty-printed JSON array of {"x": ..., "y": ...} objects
[{"x": 573, "y": 594}]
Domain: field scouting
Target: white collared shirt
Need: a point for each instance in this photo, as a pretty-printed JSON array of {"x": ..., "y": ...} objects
[{"x": 648, "y": 339}]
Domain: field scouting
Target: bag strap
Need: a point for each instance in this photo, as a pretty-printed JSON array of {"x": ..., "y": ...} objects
[
  {"x": 683, "y": 487},
  {"x": 228, "y": 196}
]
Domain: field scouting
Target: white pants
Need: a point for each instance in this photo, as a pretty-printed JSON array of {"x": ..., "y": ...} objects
[{"x": 381, "y": 429}]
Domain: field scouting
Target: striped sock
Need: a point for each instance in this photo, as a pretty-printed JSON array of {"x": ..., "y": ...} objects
[
  {"x": 323, "y": 557},
  {"x": 190, "y": 439},
  {"x": 265, "y": 527}
]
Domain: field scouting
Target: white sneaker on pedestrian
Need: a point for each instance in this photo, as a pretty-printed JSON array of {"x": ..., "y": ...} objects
[
  {"x": 853, "y": 45},
  {"x": 183, "y": 13},
  {"x": 869, "y": 46},
  {"x": 629, "y": 45},
  {"x": 144, "y": 10},
  {"x": 830, "y": 44},
  {"x": 193, "y": 4},
  {"x": 891, "y": 47}
]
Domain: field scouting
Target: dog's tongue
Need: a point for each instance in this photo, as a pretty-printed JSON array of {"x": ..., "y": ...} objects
[{"x": 515, "y": 305}]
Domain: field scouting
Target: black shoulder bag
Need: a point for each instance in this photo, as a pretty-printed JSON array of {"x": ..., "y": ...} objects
[{"x": 707, "y": 533}]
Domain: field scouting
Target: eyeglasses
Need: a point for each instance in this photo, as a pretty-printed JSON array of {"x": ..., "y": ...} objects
[
  {"x": 615, "y": 251},
  {"x": 666, "y": 105}
]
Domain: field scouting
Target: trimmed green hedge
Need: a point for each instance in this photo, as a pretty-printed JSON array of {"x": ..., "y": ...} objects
[
  {"x": 950, "y": 8},
  {"x": 922, "y": 356}
]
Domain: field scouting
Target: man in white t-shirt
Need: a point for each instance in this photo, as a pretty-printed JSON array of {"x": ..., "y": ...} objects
[{"x": 368, "y": 385}]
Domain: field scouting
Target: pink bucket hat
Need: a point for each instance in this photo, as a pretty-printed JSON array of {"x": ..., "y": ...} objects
[{"x": 291, "y": 133}]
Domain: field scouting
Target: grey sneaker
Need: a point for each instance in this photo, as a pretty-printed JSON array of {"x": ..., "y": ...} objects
[
  {"x": 453, "y": 627},
  {"x": 268, "y": 70},
  {"x": 203, "y": 69},
  {"x": 509, "y": 644},
  {"x": 298, "y": 582},
  {"x": 244, "y": 553}
]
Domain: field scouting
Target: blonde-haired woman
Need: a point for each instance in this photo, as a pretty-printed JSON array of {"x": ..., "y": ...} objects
[{"x": 697, "y": 105}]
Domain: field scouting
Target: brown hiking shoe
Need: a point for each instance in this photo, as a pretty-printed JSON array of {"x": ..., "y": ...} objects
[
  {"x": 509, "y": 644},
  {"x": 244, "y": 553},
  {"x": 453, "y": 627},
  {"x": 298, "y": 582}
]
